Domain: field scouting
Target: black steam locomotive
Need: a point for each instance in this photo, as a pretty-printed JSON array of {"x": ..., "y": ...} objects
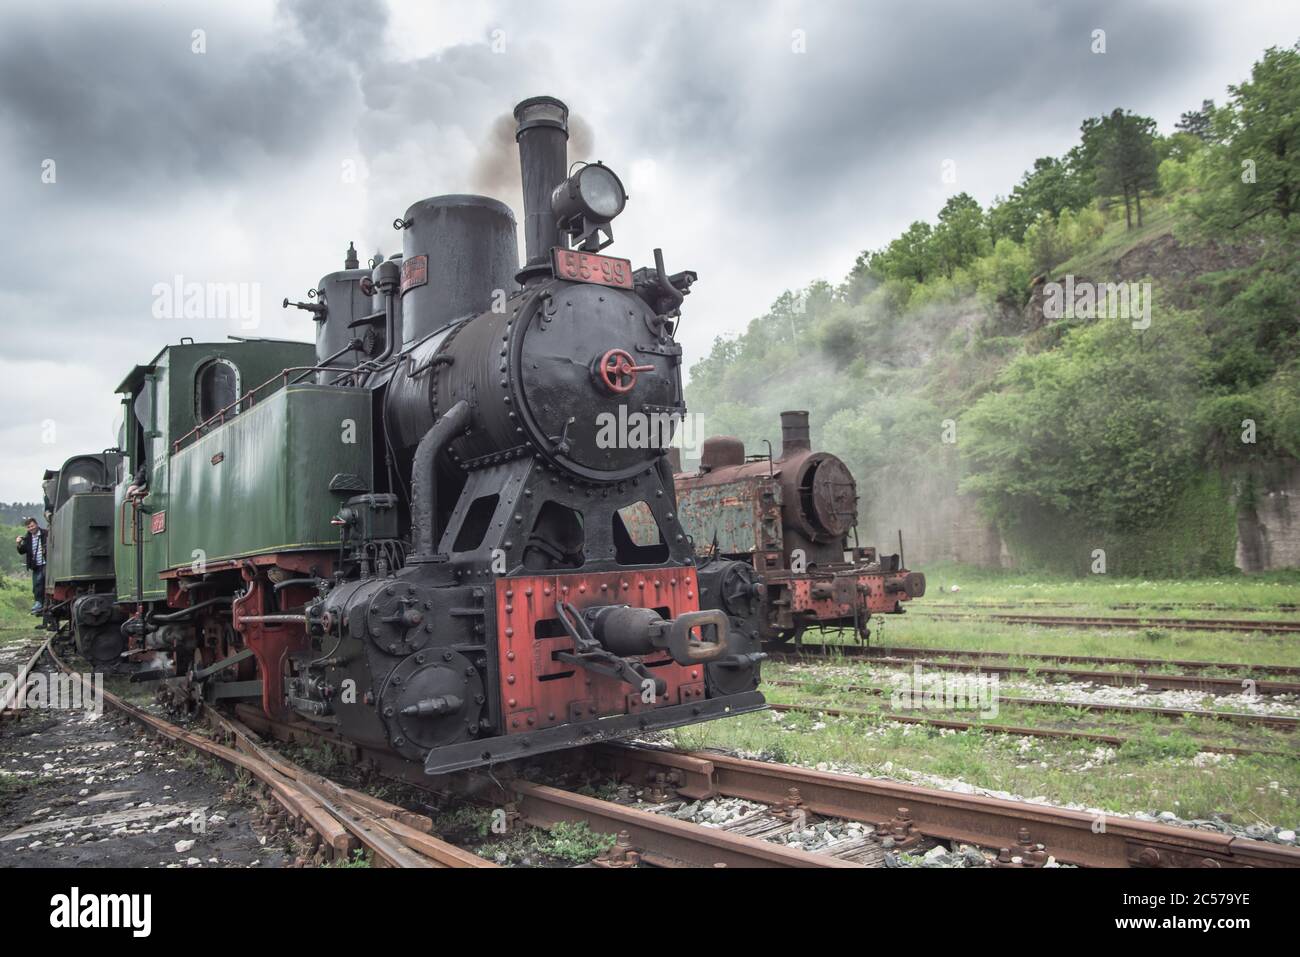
[{"x": 420, "y": 536}]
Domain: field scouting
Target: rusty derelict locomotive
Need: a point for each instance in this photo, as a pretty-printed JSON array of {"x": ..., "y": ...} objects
[
  {"x": 412, "y": 534},
  {"x": 786, "y": 521}
]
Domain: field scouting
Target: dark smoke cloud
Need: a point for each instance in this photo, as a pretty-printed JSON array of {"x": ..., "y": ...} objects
[{"x": 496, "y": 172}]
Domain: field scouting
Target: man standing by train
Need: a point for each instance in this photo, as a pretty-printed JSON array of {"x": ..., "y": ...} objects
[{"x": 33, "y": 545}]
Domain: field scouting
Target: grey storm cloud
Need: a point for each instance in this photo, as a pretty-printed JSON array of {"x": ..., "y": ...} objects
[
  {"x": 125, "y": 107},
  {"x": 765, "y": 144}
]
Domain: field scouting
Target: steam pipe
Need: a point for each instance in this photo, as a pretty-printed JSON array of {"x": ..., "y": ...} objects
[
  {"x": 188, "y": 612},
  {"x": 424, "y": 490},
  {"x": 543, "y": 136}
]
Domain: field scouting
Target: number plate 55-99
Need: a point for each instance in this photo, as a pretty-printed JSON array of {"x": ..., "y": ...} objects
[{"x": 589, "y": 267}]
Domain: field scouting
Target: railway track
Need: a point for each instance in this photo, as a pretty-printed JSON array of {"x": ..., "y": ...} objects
[
  {"x": 1097, "y": 737},
  {"x": 1022, "y": 834},
  {"x": 910, "y": 813},
  {"x": 1276, "y": 722},
  {"x": 11, "y": 696},
  {"x": 335, "y": 820},
  {"x": 1186, "y": 664},
  {"x": 1152, "y": 680},
  {"x": 344, "y": 819},
  {"x": 1266, "y": 627},
  {"x": 643, "y": 836},
  {"x": 1116, "y": 606}
]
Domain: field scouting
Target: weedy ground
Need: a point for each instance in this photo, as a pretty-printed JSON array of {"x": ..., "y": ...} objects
[{"x": 1162, "y": 766}]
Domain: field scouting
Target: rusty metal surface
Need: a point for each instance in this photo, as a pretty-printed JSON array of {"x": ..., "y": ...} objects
[
  {"x": 1073, "y": 837},
  {"x": 1157, "y": 682},
  {"x": 11, "y": 694},
  {"x": 740, "y": 516},
  {"x": 337, "y": 818},
  {"x": 540, "y": 691},
  {"x": 662, "y": 840}
]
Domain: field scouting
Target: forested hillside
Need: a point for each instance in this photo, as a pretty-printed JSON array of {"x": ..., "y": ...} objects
[{"x": 997, "y": 429}]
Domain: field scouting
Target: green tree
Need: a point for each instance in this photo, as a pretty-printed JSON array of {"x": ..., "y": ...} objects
[
  {"x": 1127, "y": 161},
  {"x": 1052, "y": 186},
  {"x": 1048, "y": 246},
  {"x": 910, "y": 256},
  {"x": 962, "y": 235},
  {"x": 1098, "y": 430},
  {"x": 1252, "y": 173},
  {"x": 1197, "y": 122}
]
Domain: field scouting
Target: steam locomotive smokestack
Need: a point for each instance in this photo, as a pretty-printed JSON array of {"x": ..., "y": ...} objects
[
  {"x": 794, "y": 433},
  {"x": 543, "y": 136}
]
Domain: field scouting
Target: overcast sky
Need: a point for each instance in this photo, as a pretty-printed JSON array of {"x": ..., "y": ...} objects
[{"x": 764, "y": 144}]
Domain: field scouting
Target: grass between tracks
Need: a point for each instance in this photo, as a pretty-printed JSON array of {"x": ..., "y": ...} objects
[
  {"x": 1025, "y": 641},
  {"x": 1097, "y": 593},
  {"x": 1157, "y": 771},
  {"x": 1095, "y": 596},
  {"x": 1161, "y": 767}
]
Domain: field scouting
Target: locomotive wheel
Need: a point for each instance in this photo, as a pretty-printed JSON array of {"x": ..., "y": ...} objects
[{"x": 102, "y": 647}]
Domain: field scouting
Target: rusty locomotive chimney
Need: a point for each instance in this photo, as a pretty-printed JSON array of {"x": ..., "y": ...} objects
[
  {"x": 794, "y": 433},
  {"x": 543, "y": 137}
]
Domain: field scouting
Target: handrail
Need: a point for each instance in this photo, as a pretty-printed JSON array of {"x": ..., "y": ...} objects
[{"x": 250, "y": 396}]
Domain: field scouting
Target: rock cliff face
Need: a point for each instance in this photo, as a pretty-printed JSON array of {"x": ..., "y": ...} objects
[
  {"x": 938, "y": 523},
  {"x": 1268, "y": 521}
]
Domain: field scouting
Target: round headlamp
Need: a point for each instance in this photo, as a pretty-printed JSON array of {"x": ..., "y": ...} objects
[{"x": 594, "y": 193}]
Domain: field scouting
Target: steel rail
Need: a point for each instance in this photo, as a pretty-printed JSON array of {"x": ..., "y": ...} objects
[
  {"x": 1157, "y": 682},
  {"x": 1280, "y": 722},
  {"x": 413, "y": 830},
  {"x": 1015, "y": 730},
  {"x": 10, "y": 698},
  {"x": 1186, "y": 664},
  {"x": 661, "y": 841},
  {"x": 1033, "y": 603},
  {"x": 1072, "y": 837},
  {"x": 1098, "y": 621},
  {"x": 664, "y": 840},
  {"x": 339, "y": 821}
]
